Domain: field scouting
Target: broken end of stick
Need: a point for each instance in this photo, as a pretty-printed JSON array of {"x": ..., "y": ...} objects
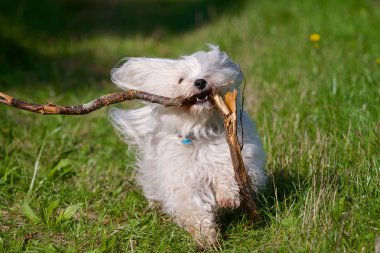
[
  {"x": 249, "y": 207},
  {"x": 228, "y": 104},
  {"x": 219, "y": 102},
  {"x": 230, "y": 99},
  {"x": 5, "y": 99}
]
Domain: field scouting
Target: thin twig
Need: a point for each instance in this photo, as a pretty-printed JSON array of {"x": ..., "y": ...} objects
[
  {"x": 241, "y": 113},
  {"x": 113, "y": 98}
]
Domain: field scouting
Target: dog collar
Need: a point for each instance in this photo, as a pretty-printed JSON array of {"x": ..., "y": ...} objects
[{"x": 187, "y": 140}]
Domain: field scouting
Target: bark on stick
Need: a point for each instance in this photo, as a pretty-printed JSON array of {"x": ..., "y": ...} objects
[{"x": 227, "y": 108}]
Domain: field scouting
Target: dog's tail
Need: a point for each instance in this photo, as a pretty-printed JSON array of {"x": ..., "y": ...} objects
[{"x": 133, "y": 125}]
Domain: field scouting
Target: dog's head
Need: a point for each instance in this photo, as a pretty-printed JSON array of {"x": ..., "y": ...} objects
[{"x": 195, "y": 74}]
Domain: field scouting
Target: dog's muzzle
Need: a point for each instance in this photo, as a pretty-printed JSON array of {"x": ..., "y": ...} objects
[{"x": 202, "y": 97}]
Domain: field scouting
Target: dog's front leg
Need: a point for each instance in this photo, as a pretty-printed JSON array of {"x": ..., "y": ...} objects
[
  {"x": 225, "y": 187},
  {"x": 196, "y": 214}
]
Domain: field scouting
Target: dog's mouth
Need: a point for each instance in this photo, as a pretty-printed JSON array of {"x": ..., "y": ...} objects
[{"x": 202, "y": 98}]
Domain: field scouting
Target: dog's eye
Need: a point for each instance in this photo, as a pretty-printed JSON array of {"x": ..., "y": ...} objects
[{"x": 180, "y": 80}]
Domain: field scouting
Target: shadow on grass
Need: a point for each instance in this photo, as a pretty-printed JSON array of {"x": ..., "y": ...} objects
[
  {"x": 34, "y": 22},
  {"x": 280, "y": 186}
]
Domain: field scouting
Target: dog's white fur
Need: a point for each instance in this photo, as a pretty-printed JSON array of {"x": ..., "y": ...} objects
[{"x": 189, "y": 181}]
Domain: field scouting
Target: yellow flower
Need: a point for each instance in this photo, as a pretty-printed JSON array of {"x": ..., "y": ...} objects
[
  {"x": 314, "y": 37},
  {"x": 378, "y": 61}
]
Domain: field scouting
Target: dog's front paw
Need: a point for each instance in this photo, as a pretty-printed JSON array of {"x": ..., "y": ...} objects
[
  {"x": 228, "y": 199},
  {"x": 206, "y": 237}
]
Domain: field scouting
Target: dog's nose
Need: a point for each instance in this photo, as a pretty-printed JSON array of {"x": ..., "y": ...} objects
[{"x": 200, "y": 84}]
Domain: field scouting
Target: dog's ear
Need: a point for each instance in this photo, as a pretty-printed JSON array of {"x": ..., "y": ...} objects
[{"x": 151, "y": 75}]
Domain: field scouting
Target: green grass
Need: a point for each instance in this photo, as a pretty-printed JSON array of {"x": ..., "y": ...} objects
[{"x": 316, "y": 106}]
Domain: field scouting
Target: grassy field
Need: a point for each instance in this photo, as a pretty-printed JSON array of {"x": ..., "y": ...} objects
[{"x": 67, "y": 183}]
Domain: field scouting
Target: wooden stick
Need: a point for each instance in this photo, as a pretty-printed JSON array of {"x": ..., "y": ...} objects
[
  {"x": 227, "y": 109},
  {"x": 113, "y": 98}
]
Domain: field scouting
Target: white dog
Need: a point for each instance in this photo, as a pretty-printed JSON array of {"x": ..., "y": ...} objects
[{"x": 183, "y": 161}]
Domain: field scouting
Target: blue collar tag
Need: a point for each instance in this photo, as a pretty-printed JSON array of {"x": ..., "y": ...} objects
[{"x": 186, "y": 141}]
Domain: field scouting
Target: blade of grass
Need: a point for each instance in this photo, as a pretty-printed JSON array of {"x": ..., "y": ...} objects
[
  {"x": 29, "y": 213},
  {"x": 36, "y": 167}
]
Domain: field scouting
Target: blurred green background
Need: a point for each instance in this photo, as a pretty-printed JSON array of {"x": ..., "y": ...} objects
[
  {"x": 312, "y": 72},
  {"x": 71, "y": 39}
]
